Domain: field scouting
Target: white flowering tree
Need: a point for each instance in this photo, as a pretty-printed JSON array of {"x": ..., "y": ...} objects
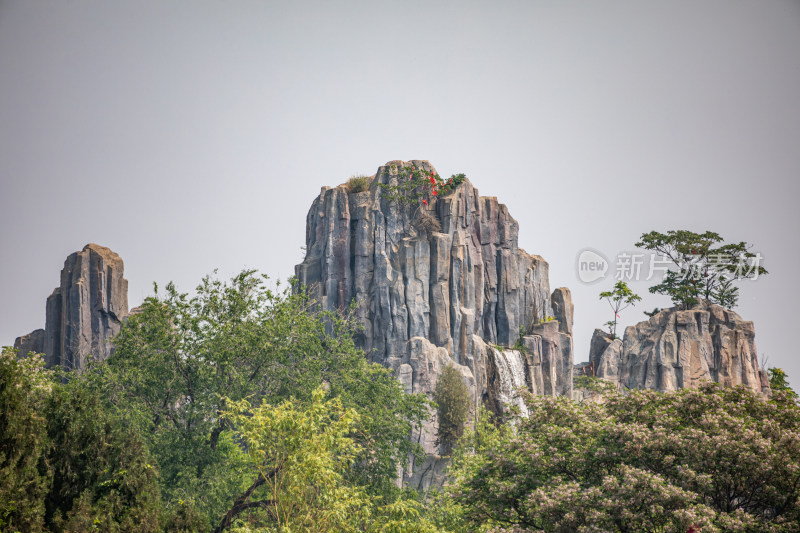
[{"x": 709, "y": 459}]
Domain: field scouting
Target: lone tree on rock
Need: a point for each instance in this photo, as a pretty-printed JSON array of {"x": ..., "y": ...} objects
[
  {"x": 619, "y": 298},
  {"x": 706, "y": 267},
  {"x": 452, "y": 405}
]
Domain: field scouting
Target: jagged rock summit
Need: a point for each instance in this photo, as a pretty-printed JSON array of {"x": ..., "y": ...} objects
[
  {"x": 84, "y": 312},
  {"x": 680, "y": 348},
  {"x": 427, "y": 299}
]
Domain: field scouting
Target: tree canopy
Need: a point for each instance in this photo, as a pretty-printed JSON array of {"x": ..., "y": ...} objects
[
  {"x": 184, "y": 361},
  {"x": 66, "y": 463},
  {"x": 712, "y": 459},
  {"x": 706, "y": 267}
]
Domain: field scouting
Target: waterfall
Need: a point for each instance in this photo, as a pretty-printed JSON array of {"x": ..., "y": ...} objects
[{"x": 510, "y": 368}]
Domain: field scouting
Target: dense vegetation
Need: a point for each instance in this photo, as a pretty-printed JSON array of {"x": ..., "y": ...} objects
[
  {"x": 708, "y": 459},
  {"x": 244, "y": 409},
  {"x": 153, "y": 438}
]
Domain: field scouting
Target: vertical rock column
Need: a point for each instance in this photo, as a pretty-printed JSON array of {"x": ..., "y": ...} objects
[
  {"x": 85, "y": 312},
  {"x": 432, "y": 298}
]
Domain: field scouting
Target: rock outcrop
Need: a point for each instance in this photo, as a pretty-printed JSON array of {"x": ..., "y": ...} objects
[
  {"x": 84, "y": 312},
  {"x": 427, "y": 299},
  {"x": 680, "y": 348},
  {"x": 32, "y": 342}
]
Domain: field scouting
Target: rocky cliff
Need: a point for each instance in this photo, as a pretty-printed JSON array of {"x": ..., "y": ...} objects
[
  {"x": 426, "y": 299},
  {"x": 84, "y": 312},
  {"x": 680, "y": 348}
]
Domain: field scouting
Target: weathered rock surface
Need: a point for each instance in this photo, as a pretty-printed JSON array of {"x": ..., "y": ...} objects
[
  {"x": 427, "y": 300},
  {"x": 32, "y": 342},
  {"x": 84, "y": 312},
  {"x": 605, "y": 356},
  {"x": 563, "y": 309},
  {"x": 680, "y": 348}
]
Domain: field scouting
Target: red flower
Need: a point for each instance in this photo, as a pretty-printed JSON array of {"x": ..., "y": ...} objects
[
  {"x": 434, "y": 192},
  {"x": 425, "y": 202}
]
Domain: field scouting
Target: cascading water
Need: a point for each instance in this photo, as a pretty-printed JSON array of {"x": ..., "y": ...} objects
[{"x": 510, "y": 367}]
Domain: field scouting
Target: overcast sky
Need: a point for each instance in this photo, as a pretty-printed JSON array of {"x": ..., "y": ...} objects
[{"x": 189, "y": 136}]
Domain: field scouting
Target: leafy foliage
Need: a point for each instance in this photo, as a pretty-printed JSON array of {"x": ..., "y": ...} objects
[
  {"x": 298, "y": 458},
  {"x": 25, "y": 388},
  {"x": 778, "y": 382},
  {"x": 417, "y": 185},
  {"x": 66, "y": 464},
  {"x": 519, "y": 345},
  {"x": 619, "y": 298},
  {"x": 103, "y": 479},
  {"x": 706, "y": 268},
  {"x": 594, "y": 384},
  {"x": 299, "y": 455},
  {"x": 181, "y": 362},
  {"x": 713, "y": 459},
  {"x": 452, "y": 406}
]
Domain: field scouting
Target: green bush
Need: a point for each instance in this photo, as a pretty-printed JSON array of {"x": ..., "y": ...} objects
[{"x": 452, "y": 405}]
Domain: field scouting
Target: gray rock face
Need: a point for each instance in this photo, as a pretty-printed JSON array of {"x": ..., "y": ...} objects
[
  {"x": 426, "y": 300},
  {"x": 563, "y": 309},
  {"x": 85, "y": 311},
  {"x": 680, "y": 348},
  {"x": 605, "y": 355},
  {"x": 32, "y": 342}
]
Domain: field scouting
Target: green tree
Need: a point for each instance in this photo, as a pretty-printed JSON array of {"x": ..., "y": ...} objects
[
  {"x": 298, "y": 457},
  {"x": 181, "y": 362},
  {"x": 705, "y": 268},
  {"x": 103, "y": 478},
  {"x": 452, "y": 406},
  {"x": 778, "y": 382},
  {"x": 713, "y": 458},
  {"x": 25, "y": 387},
  {"x": 66, "y": 464},
  {"x": 619, "y": 298}
]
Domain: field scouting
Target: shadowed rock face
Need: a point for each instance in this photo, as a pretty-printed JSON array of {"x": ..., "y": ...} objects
[
  {"x": 681, "y": 348},
  {"x": 84, "y": 312},
  {"x": 32, "y": 342},
  {"x": 427, "y": 300}
]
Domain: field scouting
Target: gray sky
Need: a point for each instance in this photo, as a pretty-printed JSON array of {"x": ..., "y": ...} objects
[{"x": 188, "y": 136}]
